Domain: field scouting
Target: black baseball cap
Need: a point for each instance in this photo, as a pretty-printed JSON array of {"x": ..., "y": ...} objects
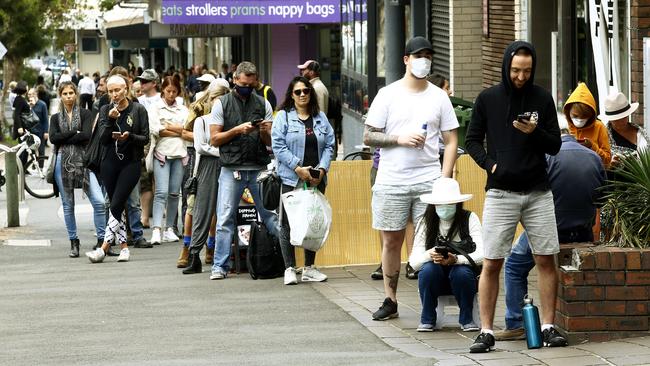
[{"x": 417, "y": 44}]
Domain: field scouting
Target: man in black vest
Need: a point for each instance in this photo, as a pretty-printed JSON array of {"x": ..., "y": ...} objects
[{"x": 241, "y": 128}]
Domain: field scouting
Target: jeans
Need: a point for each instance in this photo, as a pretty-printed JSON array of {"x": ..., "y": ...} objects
[
  {"x": 134, "y": 212},
  {"x": 95, "y": 195},
  {"x": 435, "y": 280},
  {"x": 230, "y": 191},
  {"x": 168, "y": 187},
  {"x": 518, "y": 265}
]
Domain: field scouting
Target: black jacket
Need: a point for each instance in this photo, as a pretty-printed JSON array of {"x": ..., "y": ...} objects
[
  {"x": 520, "y": 157},
  {"x": 138, "y": 131},
  {"x": 20, "y": 106},
  {"x": 58, "y": 137}
]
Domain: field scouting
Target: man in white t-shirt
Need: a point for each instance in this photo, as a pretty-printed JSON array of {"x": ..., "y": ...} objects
[
  {"x": 396, "y": 122},
  {"x": 86, "y": 92},
  {"x": 149, "y": 88}
]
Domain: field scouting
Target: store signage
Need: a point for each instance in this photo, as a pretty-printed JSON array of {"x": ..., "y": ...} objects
[{"x": 250, "y": 11}]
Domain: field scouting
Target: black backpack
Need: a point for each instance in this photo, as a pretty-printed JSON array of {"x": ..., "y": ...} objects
[{"x": 264, "y": 256}]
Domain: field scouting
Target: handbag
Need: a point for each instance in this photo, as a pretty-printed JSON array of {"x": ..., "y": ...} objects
[
  {"x": 310, "y": 217},
  {"x": 192, "y": 182},
  {"x": 29, "y": 120},
  {"x": 270, "y": 186},
  {"x": 51, "y": 164},
  {"x": 94, "y": 150}
]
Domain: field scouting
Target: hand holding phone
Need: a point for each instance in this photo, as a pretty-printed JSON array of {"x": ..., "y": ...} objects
[
  {"x": 523, "y": 118},
  {"x": 444, "y": 251},
  {"x": 315, "y": 173},
  {"x": 256, "y": 122},
  {"x": 116, "y": 135}
]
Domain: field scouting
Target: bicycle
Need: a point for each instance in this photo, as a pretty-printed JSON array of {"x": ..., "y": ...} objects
[{"x": 31, "y": 175}]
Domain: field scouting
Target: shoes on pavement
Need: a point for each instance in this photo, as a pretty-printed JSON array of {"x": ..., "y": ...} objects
[
  {"x": 553, "y": 338},
  {"x": 470, "y": 327},
  {"x": 184, "y": 258},
  {"x": 96, "y": 256},
  {"x": 209, "y": 255},
  {"x": 377, "y": 274},
  {"x": 74, "y": 248},
  {"x": 194, "y": 264},
  {"x": 111, "y": 253},
  {"x": 387, "y": 310},
  {"x": 425, "y": 327},
  {"x": 483, "y": 343},
  {"x": 218, "y": 274},
  {"x": 142, "y": 243},
  {"x": 290, "y": 277},
  {"x": 169, "y": 236},
  {"x": 156, "y": 236},
  {"x": 125, "y": 255},
  {"x": 410, "y": 272},
  {"x": 311, "y": 274},
  {"x": 510, "y": 334}
]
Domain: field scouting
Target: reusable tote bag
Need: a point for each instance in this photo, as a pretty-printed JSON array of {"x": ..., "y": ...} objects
[{"x": 310, "y": 217}]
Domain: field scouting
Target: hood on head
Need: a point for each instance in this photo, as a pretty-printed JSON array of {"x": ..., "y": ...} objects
[
  {"x": 508, "y": 54},
  {"x": 581, "y": 95}
]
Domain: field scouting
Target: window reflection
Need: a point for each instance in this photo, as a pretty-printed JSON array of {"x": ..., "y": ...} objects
[{"x": 354, "y": 65}]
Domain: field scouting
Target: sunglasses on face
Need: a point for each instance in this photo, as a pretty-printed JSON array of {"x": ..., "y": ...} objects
[{"x": 299, "y": 92}]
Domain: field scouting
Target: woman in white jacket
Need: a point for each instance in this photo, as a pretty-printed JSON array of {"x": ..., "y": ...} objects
[{"x": 442, "y": 270}]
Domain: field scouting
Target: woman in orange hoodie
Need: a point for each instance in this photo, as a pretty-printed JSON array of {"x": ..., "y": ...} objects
[{"x": 580, "y": 112}]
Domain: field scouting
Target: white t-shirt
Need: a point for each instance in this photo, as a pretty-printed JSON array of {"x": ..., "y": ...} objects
[
  {"x": 148, "y": 102},
  {"x": 399, "y": 111},
  {"x": 86, "y": 86},
  {"x": 217, "y": 113}
]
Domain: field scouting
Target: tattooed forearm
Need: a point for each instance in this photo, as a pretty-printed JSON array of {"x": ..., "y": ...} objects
[
  {"x": 392, "y": 280},
  {"x": 373, "y": 136}
]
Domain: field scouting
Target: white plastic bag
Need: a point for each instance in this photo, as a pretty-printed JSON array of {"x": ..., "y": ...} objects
[{"x": 310, "y": 217}]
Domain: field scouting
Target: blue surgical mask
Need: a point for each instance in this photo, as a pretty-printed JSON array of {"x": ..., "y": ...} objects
[
  {"x": 244, "y": 91},
  {"x": 446, "y": 212}
]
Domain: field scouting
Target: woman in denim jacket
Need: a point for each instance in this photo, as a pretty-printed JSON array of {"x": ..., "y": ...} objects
[{"x": 303, "y": 143}]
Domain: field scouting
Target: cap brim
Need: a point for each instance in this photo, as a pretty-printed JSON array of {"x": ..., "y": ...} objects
[
  {"x": 437, "y": 200},
  {"x": 421, "y": 49},
  {"x": 633, "y": 108}
]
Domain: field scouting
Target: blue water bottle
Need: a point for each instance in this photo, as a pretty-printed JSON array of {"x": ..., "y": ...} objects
[
  {"x": 423, "y": 131},
  {"x": 531, "y": 323}
]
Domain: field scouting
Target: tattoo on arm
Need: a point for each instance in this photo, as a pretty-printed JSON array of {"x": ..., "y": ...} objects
[
  {"x": 373, "y": 136},
  {"x": 392, "y": 280}
]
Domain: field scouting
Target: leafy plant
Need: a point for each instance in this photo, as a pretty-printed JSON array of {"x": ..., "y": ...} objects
[{"x": 627, "y": 203}]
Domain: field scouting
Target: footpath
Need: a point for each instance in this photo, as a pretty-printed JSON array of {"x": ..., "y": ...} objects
[{"x": 55, "y": 310}]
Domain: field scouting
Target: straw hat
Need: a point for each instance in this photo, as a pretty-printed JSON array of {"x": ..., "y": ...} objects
[
  {"x": 443, "y": 192},
  {"x": 617, "y": 107}
]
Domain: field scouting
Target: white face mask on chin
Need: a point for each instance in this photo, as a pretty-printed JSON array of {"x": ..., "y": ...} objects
[
  {"x": 579, "y": 122},
  {"x": 420, "y": 67}
]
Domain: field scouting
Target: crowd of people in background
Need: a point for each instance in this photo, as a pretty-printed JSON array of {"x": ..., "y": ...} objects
[{"x": 179, "y": 148}]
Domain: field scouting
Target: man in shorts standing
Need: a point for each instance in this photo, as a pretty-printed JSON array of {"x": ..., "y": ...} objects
[
  {"x": 406, "y": 120},
  {"x": 520, "y": 123}
]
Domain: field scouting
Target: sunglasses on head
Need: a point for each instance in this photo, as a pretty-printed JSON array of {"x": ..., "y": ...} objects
[{"x": 299, "y": 92}]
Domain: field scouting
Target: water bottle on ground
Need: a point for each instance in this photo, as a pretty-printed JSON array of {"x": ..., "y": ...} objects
[{"x": 531, "y": 323}]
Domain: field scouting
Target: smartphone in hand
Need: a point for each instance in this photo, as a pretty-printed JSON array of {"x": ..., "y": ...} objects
[
  {"x": 256, "y": 122},
  {"x": 524, "y": 118},
  {"x": 444, "y": 251},
  {"x": 116, "y": 134},
  {"x": 315, "y": 173}
]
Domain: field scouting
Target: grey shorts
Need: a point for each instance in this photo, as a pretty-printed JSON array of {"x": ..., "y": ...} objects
[
  {"x": 504, "y": 209},
  {"x": 393, "y": 205}
]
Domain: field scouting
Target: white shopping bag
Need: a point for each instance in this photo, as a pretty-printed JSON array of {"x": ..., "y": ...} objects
[{"x": 310, "y": 217}]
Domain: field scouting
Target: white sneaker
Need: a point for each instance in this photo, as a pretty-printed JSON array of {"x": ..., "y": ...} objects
[
  {"x": 155, "y": 236},
  {"x": 217, "y": 275},
  {"x": 96, "y": 256},
  {"x": 124, "y": 255},
  {"x": 290, "y": 276},
  {"x": 169, "y": 236},
  {"x": 311, "y": 274}
]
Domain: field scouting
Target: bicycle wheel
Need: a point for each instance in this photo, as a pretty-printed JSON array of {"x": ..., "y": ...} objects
[{"x": 35, "y": 178}]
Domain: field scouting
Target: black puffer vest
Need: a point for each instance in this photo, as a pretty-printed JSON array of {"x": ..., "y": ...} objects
[{"x": 245, "y": 149}]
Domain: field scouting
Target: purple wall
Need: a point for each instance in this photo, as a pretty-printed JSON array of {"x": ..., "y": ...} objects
[{"x": 285, "y": 56}]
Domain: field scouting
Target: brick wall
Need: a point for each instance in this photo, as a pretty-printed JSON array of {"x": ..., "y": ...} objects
[
  {"x": 639, "y": 28},
  {"x": 604, "y": 294},
  {"x": 501, "y": 23},
  {"x": 466, "y": 30}
]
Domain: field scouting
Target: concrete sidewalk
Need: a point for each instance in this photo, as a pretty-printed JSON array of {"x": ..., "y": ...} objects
[{"x": 55, "y": 310}]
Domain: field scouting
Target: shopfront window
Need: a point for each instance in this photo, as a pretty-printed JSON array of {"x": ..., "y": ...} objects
[{"x": 354, "y": 63}]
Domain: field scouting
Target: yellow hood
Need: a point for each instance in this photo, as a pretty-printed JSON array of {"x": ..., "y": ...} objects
[{"x": 583, "y": 95}]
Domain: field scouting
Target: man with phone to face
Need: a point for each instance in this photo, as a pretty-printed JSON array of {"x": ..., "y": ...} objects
[
  {"x": 240, "y": 126},
  {"x": 519, "y": 121}
]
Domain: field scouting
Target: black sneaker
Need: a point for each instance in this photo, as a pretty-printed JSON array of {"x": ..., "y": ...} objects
[
  {"x": 553, "y": 338},
  {"x": 378, "y": 274},
  {"x": 410, "y": 272},
  {"x": 483, "y": 343},
  {"x": 387, "y": 310},
  {"x": 142, "y": 243}
]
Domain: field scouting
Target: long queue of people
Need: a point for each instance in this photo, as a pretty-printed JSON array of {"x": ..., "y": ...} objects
[{"x": 540, "y": 173}]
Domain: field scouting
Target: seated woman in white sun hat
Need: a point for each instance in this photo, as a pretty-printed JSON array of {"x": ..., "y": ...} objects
[{"x": 446, "y": 230}]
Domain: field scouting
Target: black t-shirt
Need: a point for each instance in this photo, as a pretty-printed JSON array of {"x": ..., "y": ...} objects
[
  {"x": 311, "y": 144},
  {"x": 122, "y": 123}
]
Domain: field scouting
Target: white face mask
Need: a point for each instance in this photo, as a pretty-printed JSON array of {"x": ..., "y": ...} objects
[
  {"x": 420, "y": 67},
  {"x": 579, "y": 122},
  {"x": 446, "y": 212}
]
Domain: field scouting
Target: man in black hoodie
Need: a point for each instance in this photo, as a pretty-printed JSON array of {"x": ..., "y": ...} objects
[{"x": 519, "y": 120}]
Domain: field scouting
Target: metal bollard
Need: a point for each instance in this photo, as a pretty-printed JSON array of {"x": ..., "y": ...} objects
[{"x": 13, "y": 217}]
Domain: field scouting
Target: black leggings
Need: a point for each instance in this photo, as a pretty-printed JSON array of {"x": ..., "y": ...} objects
[{"x": 119, "y": 178}]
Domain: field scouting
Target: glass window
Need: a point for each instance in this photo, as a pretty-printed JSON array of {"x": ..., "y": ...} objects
[{"x": 354, "y": 65}]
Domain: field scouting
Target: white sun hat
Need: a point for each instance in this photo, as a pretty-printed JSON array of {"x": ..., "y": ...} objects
[
  {"x": 617, "y": 107},
  {"x": 443, "y": 192}
]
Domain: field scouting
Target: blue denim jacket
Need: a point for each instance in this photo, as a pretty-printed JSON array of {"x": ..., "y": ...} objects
[{"x": 288, "y": 142}]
